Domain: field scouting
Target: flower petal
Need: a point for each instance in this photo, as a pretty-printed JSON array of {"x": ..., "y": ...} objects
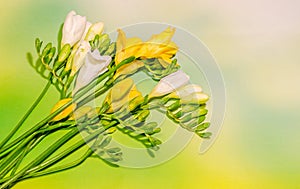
[
  {"x": 170, "y": 83},
  {"x": 94, "y": 65}
]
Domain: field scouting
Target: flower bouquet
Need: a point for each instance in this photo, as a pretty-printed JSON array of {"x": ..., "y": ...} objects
[{"x": 98, "y": 98}]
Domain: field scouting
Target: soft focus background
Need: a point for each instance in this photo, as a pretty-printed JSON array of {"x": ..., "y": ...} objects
[{"x": 256, "y": 44}]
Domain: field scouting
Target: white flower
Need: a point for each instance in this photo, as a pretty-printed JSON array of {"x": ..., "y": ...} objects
[
  {"x": 170, "y": 83},
  {"x": 94, "y": 65},
  {"x": 73, "y": 29}
]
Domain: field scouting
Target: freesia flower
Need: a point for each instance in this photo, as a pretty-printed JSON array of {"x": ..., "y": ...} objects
[
  {"x": 170, "y": 83},
  {"x": 66, "y": 112},
  {"x": 94, "y": 65},
  {"x": 83, "y": 47},
  {"x": 73, "y": 29},
  {"x": 126, "y": 47},
  {"x": 158, "y": 46}
]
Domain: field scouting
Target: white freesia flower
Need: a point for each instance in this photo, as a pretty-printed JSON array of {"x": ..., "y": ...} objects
[
  {"x": 73, "y": 29},
  {"x": 94, "y": 65},
  {"x": 170, "y": 83}
]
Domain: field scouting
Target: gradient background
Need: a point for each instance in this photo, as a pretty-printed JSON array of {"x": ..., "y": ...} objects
[{"x": 256, "y": 43}]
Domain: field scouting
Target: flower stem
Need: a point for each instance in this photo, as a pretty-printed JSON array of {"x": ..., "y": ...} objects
[{"x": 20, "y": 123}]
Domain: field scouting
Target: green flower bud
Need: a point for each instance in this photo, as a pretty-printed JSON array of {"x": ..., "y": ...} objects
[
  {"x": 133, "y": 104},
  {"x": 142, "y": 116},
  {"x": 64, "y": 53},
  {"x": 46, "y": 49},
  {"x": 104, "y": 42},
  {"x": 111, "y": 49},
  {"x": 202, "y": 127},
  {"x": 48, "y": 58},
  {"x": 174, "y": 106},
  {"x": 104, "y": 122},
  {"x": 38, "y": 45}
]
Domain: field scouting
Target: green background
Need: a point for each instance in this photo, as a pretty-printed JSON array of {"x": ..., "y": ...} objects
[{"x": 256, "y": 44}]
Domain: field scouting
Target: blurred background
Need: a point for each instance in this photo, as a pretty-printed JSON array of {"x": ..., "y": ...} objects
[{"x": 256, "y": 44}]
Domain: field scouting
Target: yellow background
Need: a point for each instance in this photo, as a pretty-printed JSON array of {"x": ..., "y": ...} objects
[{"x": 256, "y": 44}]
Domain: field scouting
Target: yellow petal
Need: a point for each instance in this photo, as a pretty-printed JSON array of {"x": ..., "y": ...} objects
[
  {"x": 126, "y": 47},
  {"x": 66, "y": 112},
  {"x": 164, "y": 37}
]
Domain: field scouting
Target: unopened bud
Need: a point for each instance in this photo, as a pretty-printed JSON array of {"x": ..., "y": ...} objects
[
  {"x": 111, "y": 49},
  {"x": 174, "y": 106},
  {"x": 104, "y": 42},
  {"x": 46, "y": 49},
  {"x": 64, "y": 53},
  {"x": 135, "y": 103},
  {"x": 142, "y": 116},
  {"x": 48, "y": 58}
]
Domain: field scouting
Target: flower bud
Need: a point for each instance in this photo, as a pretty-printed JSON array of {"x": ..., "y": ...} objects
[
  {"x": 94, "y": 29},
  {"x": 142, "y": 116},
  {"x": 196, "y": 98},
  {"x": 135, "y": 103},
  {"x": 111, "y": 49},
  {"x": 66, "y": 112},
  {"x": 64, "y": 53},
  {"x": 104, "y": 42},
  {"x": 46, "y": 50},
  {"x": 73, "y": 29}
]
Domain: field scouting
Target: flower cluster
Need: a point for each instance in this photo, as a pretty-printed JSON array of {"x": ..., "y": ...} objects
[{"x": 86, "y": 66}]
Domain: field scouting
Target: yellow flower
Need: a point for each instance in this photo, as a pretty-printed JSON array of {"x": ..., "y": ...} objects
[
  {"x": 66, "y": 112},
  {"x": 126, "y": 47},
  {"x": 158, "y": 46},
  {"x": 122, "y": 93}
]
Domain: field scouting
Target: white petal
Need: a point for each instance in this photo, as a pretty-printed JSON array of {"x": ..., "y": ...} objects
[
  {"x": 94, "y": 65},
  {"x": 170, "y": 83},
  {"x": 188, "y": 90},
  {"x": 73, "y": 28}
]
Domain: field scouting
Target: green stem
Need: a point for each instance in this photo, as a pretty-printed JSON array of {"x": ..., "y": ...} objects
[
  {"x": 56, "y": 169},
  {"x": 77, "y": 96},
  {"x": 63, "y": 167},
  {"x": 37, "y": 166},
  {"x": 20, "y": 123}
]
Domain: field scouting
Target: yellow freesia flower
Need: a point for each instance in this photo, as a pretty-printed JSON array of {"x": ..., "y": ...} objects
[
  {"x": 158, "y": 46},
  {"x": 126, "y": 47},
  {"x": 66, "y": 112}
]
